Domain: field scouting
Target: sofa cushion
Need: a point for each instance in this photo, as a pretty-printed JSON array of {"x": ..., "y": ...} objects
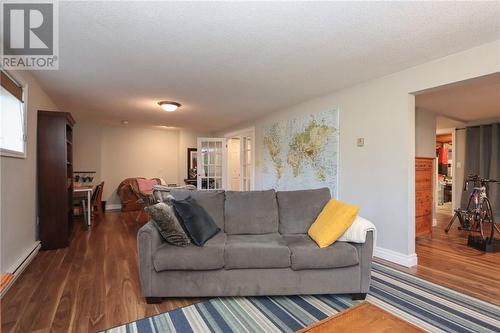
[
  {"x": 299, "y": 209},
  {"x": 254, "y": 212},
  {"x": 211, "y": 201},
  {"x": 305, "y": 253},
  {"x": 256, "y": 251},
  {"x": 191, "y": 257}
]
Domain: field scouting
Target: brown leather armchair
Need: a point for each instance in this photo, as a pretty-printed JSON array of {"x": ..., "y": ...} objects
[{"x": 128, "y": 191}]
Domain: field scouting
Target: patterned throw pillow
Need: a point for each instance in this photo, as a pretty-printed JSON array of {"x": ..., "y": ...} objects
[
  {"x": 161, "y": 193},
  {"x": 163, "y": 216}
]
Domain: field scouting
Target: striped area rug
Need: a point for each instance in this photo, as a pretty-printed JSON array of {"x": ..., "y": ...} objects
[
  {"x": 243, "y": 314},
  {"x": 425, "y": 304},
  {"x": 430, "y": 306}
]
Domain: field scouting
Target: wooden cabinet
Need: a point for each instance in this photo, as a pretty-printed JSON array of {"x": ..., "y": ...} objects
[
  {"x": 55, "y": 178},
  {"x": 424, "y": 178}
]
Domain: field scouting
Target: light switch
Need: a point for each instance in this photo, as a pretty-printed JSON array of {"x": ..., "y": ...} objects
[{"x": 360, "y": 142}]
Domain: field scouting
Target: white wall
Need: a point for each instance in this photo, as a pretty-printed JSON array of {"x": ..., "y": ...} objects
[
  {"x": 137, "y": 152},
  {"x": 444, "y": 123},
  {"x": 425, "y": 144},
  {"x": 119, "y": 152},
  {"x": 380, "y": 176},
  {"x": 425, "y": 133},
  {"x": 18, "y": 184},
  {"x": 87, "y": 147}
]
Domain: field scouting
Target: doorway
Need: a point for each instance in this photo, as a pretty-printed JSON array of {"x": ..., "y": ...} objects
[
  {"x": 211, "y": 164},
  {"x": 234, "y": 163},
  {"x": 241, "y": 160},
  {"x": 444, "y": 173},
  {"x": 227, "y": 163},
  {"x": 443, "y": 118}
]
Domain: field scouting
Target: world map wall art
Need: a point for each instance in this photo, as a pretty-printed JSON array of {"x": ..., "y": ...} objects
[{"x": 301, "y": 153}]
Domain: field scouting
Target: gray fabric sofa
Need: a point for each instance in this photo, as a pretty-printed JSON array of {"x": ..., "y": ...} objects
[{"x": 262, "y": 249}]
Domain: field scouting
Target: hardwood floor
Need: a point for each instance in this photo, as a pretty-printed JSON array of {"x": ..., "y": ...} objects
[
  {"x": 446, "y": 259},
  {"x": 94, "y": 284},
  {"x": 90, "y": 286},
  {"x": 361, "y": 318}
]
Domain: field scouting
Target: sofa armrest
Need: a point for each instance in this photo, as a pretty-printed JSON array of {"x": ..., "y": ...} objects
[
  {"x": 365, "y": 253},
  {"x": 148, "y": 241}
]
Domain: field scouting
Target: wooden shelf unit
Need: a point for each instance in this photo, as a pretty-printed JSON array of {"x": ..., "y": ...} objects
[
  {"x": 424, "y": 198},
  {"x": 55, "y": 178}
]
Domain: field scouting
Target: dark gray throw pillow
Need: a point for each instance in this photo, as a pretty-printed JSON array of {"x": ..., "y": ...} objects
[
  {"x": 198, "y": 224},
  {"x": 168, "y": 225}
]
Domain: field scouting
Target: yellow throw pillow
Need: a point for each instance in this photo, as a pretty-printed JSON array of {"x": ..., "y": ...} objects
[{"x": 335, "y": 218}]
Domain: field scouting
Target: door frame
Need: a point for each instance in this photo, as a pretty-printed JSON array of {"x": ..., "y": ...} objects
[
  {"x": 201, "y": 163},
  {"x": 229, "y": 168},
  {"x": 454, "y": 202},
  {"x": 249, "y": 131}
]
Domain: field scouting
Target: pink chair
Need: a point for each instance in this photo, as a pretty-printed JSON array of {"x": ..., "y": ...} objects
[{"x": 145, "y": 193}]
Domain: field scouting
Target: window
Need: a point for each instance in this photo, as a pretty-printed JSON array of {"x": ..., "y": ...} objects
[{"x": 12, "y": 118}]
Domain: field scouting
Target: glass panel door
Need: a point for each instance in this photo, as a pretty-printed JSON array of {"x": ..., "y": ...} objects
[
  {"x": 212, "y": 162},
  {"x": 247, "y": 163}
]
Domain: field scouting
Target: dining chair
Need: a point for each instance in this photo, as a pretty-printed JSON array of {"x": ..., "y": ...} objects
[{"x": 95, "y": 203}]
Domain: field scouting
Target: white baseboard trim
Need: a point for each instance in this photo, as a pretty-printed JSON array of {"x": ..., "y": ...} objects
[
  {"x": 21, "y": 264},
  {"x": 113, "y": 206},
  {"x": 407, "y": 260}
]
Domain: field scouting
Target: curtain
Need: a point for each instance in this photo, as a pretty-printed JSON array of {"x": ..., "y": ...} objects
[{"x": 482, "y": 158}]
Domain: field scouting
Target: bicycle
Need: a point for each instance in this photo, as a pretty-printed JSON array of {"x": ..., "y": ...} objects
[{"x": 478, "y": 216}]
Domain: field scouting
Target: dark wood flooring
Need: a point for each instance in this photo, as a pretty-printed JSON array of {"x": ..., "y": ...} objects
[
  {"x": 90, "y": 286},
  {"x": 360, "y": 318},
  {"x": 446, "y": 259},
  {"x": 94, "y": 284}
]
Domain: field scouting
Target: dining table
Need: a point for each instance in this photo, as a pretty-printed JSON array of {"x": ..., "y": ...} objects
[{"x": 85, "y": 190}]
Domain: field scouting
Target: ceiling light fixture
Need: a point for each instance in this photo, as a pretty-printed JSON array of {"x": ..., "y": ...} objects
[{"x": 169, "y": 106}]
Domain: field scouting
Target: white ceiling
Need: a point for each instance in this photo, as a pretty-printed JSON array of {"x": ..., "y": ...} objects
[
  {"x": 229, "y": 62},
  {"x": 466, "y": 101}
]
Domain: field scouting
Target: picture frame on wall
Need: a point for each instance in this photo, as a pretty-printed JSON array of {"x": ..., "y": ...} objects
[{"x": 192, "y": 163}]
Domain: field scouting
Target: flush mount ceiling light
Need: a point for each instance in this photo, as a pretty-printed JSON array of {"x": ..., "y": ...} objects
[{"x": 169, "y": 106}]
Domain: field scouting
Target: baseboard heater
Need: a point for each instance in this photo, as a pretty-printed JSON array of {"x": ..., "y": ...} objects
[{"x": 19, "y": 267}]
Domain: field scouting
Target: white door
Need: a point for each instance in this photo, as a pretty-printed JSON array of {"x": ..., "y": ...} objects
[
  {"x": 245, "y": 142},
  {"x": 211, "y": 163},
  {"x": 234, "y": 159},
  {"x": 247, "y": 164}
]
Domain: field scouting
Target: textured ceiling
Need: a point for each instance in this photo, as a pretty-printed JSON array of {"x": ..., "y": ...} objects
[
  {"x": 470, "y": 100},
  {"x": 229, "y": 62}
]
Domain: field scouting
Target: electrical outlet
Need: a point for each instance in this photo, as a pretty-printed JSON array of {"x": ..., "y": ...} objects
[{"x": 360, "y": 142}]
